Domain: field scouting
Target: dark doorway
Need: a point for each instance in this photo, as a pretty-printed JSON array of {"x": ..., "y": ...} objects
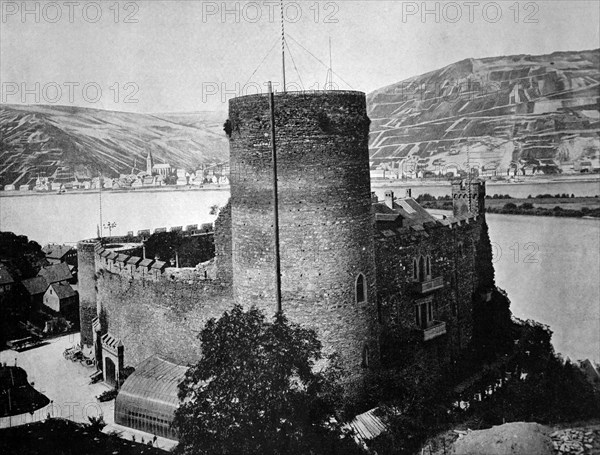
[{"x": 110, "y": 375}]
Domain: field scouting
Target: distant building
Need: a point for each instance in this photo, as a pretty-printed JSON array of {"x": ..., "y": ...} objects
[
  {"x": 162, "y": 169},
  {"x": 61, "y": 298},
  {"x": 587, "y": 165},
  {"x": 182, "y": 177},
  {"x": 55, "y": 254},
  {"x": 9, "y": 188}
]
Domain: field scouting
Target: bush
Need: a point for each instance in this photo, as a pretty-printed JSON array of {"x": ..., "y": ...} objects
[
  {"x": 527, "y": 206},
  {"x": 96, "y": 423}
]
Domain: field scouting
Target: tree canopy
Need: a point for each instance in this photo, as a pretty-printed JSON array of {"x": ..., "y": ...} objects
[
  {"x": 22, "y": 257},
  {"x": 255, "y": 391},
  {"x": 191, "y": 250}
]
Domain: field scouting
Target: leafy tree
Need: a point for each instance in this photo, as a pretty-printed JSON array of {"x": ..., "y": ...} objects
[
  {"x": 22, "y": 257},
  {"x": 255, "y": 392},
  {"x": 191, "y": 250}
]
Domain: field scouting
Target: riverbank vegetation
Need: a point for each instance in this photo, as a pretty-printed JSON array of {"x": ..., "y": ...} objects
[{"x": 560, "y": 205}]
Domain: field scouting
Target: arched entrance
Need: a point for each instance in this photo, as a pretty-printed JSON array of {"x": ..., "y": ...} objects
[{"x": 110, "y": 374}]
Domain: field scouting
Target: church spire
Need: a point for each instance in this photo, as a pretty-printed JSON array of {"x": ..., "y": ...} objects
[{"x": 149, "y": 163}]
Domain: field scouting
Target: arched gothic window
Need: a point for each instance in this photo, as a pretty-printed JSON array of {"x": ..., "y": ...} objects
[
  {"x": 422, "y": 269},
  {"x": 361, "y": 289},
  {"x": 365, "y": 357}
]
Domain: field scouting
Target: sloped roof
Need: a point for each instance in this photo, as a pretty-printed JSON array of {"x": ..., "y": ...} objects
[
  {"x": 56, "y": 251},
  {"x": 366, "y": 426},
  {"x": 36, "y": 285},
  {"x": 5, "y": 276},
  {"x": 56, "y": 272},
  {"x": 109, "y": 341},
  {"x": 411, "y": 212},
  {"x": 63, "y": 291}
]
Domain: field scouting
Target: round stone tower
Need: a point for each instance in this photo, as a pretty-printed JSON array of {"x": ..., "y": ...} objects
[
  {"x": 325, "y": 220},
  {"x": 86, "y": 276}
]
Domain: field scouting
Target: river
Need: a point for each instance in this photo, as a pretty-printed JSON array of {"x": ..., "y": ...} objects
[{"x": 550, "y": 267}]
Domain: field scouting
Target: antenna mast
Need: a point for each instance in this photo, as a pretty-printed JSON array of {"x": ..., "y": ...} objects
[
  {"x": 100, "y": 201},
  {"x": 329, "y": 80},
  {"x": 283, "y": 46}
]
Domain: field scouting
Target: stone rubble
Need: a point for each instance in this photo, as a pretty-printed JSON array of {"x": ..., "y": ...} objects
[{"x": 576, "y": 442}]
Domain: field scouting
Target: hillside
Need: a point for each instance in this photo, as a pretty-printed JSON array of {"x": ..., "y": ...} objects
[
  {"x": 499, "y": 109},
  {"x": 56, "y": 140},
  {"x": 490, "y": 112}
]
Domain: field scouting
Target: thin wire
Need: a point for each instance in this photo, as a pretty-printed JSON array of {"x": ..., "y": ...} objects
[
  {"x": 283, "y": 44},
  {"x": 263, "y": 60},
  {"x": 295, "y": 67},
  {"x": 319, "y": 60}
]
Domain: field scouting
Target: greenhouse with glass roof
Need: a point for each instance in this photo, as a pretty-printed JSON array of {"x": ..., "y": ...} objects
[{"x": 148, "y": 398}]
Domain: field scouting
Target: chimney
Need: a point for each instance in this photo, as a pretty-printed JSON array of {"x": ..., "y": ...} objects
[
  {"x": 409, "y": 192},
  {"x": 389, "y": 199}
]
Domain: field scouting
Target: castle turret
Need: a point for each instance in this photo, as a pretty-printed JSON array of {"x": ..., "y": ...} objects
[
  {"x": 325, "y": 220},
  {"x": 468, "y": 197},
  {"x": 86, "y": 276}
]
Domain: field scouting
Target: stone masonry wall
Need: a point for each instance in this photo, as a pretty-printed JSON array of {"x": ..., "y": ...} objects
[
  {"x": 326, "y": 225},
  {"x": 87, "y": 289},
  {"x": 452, "y": 250},
  {"x": 159, "y": 314},
  {"x": 223, "y": 253}
]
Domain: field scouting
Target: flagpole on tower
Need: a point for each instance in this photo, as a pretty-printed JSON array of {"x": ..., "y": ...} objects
[{"x": 283, "y": 45}]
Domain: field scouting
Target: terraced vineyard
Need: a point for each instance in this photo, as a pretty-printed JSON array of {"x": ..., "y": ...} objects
[
  {"x": 62, "y": 142},
  {"x": 490, "y": 111}
]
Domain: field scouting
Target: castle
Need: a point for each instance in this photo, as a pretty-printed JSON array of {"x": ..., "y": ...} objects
[{"x": 351, "y": 265}]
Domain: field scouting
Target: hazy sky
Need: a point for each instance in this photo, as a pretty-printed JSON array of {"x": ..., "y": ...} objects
[{"x": 175, "y": 56}]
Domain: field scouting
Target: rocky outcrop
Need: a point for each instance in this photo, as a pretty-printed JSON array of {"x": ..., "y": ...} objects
[{"x": 517, "y": 438}]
